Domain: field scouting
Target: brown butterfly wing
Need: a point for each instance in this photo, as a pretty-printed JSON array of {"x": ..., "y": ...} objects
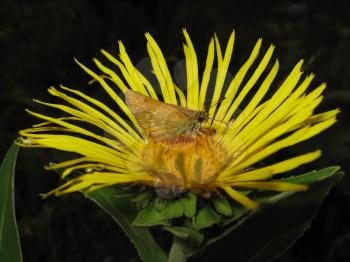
[{"x": 160, "y": 121}]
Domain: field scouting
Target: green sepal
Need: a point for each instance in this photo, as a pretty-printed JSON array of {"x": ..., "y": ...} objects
[
  {"x": 222, "y": 205},
  {"x": 143, "y": 199},
  {"x": 150, "y": 216},
  {"x": 159, "y": 203},
  {"x": 206, "y": 217},
  {"x": 172, "y": 209},
  {"x": 189, "y": 204}
]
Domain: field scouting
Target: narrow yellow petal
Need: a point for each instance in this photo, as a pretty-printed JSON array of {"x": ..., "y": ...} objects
[
  {"x": 111, "y": 178},
  {"x": 192, "y": 69},
  {"x": 246, "y": 160},
  {"x": 271, "y": 170},
  {"x": 270, "y": 107},
  {"x": 59, "y": 190},
  {"x": 301, "y": 89},
  {"x": 113, "y": 95},
  {"x": 236, "y": 82},
  {"x": 71, "y": 169},
  {"x": 318, "y": 118},
  {"x": 189, "y": 78},
  {"x": 118, "y": 81},
  {"x": 317, "y": 128},
  {"x": 240, "y": 198},
  {"x": 218, "y": 51},
  {"x": 241, "y": 120},
  {"x": 311, "y": 97},
  {"x": 131, "y": 69},
  {"x": 161, "y": 69},
  {"x": 305, "y": 133},
  {"x": 251, "y": 82},
  {"x": 181, "y": 96},
  {"x": 273, "y": 185},
  {"x": 285, "y": 89},
  {"x": 270, "y": 133},
  {"x": 120, "y": 151},
  {"x": 88, "y": 116},
  {"x": 92, "y": 166},
  {"x": 206, "y": 75},
  {"x": 106, "y": 109},
  {"x": 107, "y": 179},
  {"x": 148, "y": 85},
  {"x": 67, "y": 163},
  {"x": 73, "y": 118},
  {"x": 113, "y": 75},
  {"x": 77, "y": 186},
  {"x": 133, "y": 83},
  {"x": 86, "y": 148},
  {"x": 159, "y": 75},
  {"x": 43, "y": 129},
  {"x": 32, "y": 144},
  {"x": 221, "y": 74}
]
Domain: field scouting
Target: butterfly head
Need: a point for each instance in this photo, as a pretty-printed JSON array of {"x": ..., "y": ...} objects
[{"x": 202, "y": 116}]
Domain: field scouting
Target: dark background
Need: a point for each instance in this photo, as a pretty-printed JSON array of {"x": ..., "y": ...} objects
[{"x": 38, "y": 40}]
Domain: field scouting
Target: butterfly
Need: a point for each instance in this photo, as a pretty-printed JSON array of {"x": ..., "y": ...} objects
[{"x": 165, "y": 122}]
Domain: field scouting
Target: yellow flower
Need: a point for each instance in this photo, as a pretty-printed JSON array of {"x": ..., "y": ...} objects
[{"x": 221, "y": 160}]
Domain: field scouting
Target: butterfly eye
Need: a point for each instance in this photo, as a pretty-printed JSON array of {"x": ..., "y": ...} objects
[{"x": 200, "y": 118}]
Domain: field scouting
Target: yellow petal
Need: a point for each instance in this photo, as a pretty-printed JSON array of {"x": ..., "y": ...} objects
[
  {"x": 103, "y": 116},
  {"x": 221, "y": 73},
  {"x": 112, "y": 94},
  {"x": 273, "y": 185},
  {"x": 192, "y": 73},
  {"x": 236, "y": 82},
  {"x": 240, "y": 198},
  {"x": 271, "y": 170},
  {"x": 161, "y": 70},
  {"x": 242, "y": 118},
  {"x": 206, "y": 75}
]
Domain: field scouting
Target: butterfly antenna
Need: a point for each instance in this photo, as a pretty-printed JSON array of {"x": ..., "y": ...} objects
[
  {"x": 217, "y": 103},
  {"x": 225, "y": 130},
  {"x": 221, "y": 121}
]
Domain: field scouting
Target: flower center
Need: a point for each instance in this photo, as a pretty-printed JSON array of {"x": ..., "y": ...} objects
[{"x": 186, "y": 165}]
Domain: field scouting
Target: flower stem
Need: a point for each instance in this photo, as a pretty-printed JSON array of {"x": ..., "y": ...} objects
[{"x": 176, "y": 252}]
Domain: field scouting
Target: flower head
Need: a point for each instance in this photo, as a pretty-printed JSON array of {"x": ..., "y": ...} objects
[{"x": 170, "y": 140}]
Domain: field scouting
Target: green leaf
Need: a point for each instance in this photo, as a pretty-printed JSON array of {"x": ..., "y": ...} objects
[
  {"x": 10, "y": 249},
  {"x": 172, "y": 209},
  {"x": 274, "y": 227},
  {"x": 189, "y": 203},
  {"x": 124, "y": 212},
  {"x": 222, "y": 206},
  {"x": 312, "y": 176},
  {"x": 150, "y": 216},
  {"x": 206, "y": 218}
]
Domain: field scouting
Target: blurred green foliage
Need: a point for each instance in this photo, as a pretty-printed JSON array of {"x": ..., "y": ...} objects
[{"x": 38, "y": 40}]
